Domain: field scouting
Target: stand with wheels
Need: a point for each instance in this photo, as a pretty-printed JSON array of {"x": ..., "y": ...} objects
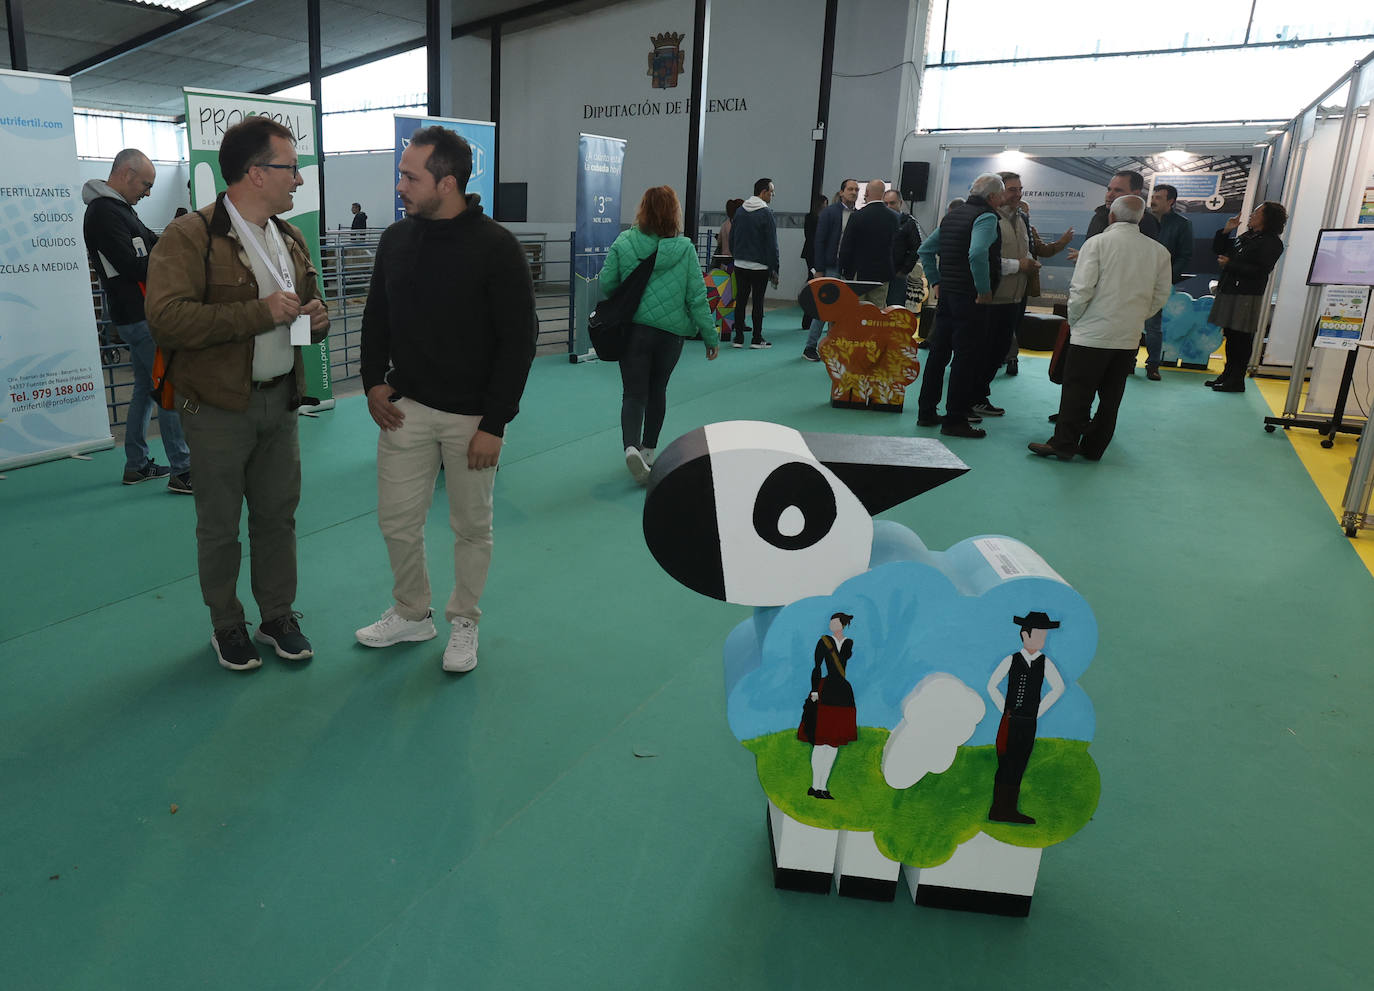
[
  {"x": 1355, "y": 504},
  {"x": 1333, "y": 424}
]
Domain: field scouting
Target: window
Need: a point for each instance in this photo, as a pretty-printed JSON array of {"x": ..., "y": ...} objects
[
  {"x": 1179, "y": 62},
  {"x": 359, "y": 103},
  {"x": 104, "y": 134}
]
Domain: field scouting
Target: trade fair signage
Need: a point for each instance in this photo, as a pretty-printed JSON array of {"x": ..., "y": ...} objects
[
  {"x": 209, "y": 114},
  {"x": 52, "y": 404}
]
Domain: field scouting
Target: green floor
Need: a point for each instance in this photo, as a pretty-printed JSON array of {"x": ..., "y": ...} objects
[{"x": 576, "y": 814}]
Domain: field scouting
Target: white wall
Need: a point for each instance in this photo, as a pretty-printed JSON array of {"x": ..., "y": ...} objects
[
  {"x": 1328, "y": 364},
  {"x": 765, "y": 53},
  {"x": 1304, "y": 220},
  {"x": 368, "y": 178},
  {"x": 764, "y": 60}
]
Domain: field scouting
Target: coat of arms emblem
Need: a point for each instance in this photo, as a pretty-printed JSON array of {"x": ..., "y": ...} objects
[{"x": 665, "y": 59}]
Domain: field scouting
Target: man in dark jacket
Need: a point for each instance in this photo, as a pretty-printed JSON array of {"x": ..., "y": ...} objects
[
  {"x": 754, "y": 244},
  {"x": 1176, "y": 234},
  {"x": 448, "y": 338},
  {"x": 119, "y": 244},
  {"x": 905, "y": 245},
  {"x": 963, "y": 256},
  {"x": 866, "y": 248},
  {"x": 829, "y": 229}
]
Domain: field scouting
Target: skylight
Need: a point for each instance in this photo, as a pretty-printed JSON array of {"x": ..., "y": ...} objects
[{"x": 179, "y": 6}]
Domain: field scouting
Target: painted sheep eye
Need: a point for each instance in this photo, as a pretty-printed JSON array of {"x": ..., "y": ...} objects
[{"x": 795, "y": 507}]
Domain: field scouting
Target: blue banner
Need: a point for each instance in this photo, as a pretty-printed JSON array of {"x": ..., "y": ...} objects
[
  {"x": 600, "y": 163},
  {"x": 480, "y": 134}
]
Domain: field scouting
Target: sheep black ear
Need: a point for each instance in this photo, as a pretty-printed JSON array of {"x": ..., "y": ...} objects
[
  {"x": 680, "y": 525},
  {"x": 885, "y": 471}
]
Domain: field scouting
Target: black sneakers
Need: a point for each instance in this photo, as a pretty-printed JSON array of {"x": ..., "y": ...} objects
[
  {"x": 132, "y": 476},
  {"x": 234, "y": 650},
  {"x": 285, "y": 636},
  {"x": 180, "y": 484}
]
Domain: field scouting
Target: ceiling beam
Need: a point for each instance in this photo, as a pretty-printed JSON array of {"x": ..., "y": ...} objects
[
  {"x": 201, "y": 14},
  {"x": 19, "y": 48},
  {"x": 459, "y": 31}
]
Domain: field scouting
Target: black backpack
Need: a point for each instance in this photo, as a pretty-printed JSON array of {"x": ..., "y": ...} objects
[{"x": 609, "y": 324}]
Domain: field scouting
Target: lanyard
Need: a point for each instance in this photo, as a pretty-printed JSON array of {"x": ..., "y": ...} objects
[{"x": 280, "y": 267}]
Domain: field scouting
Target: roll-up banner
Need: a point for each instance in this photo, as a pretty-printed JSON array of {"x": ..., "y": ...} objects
[
  {"x": 208, "y": 115},
  {"x": 52, "y": 404},
  {"x": 600, "y": 163},
  {"x": 479, "y": 134}
]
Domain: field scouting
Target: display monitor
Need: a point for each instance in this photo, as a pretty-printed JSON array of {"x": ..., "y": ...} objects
[{"x": 1343, "y": 257}]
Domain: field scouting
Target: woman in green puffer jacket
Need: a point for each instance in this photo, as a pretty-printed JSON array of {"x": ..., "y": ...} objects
[{"x": 672, "y": 309}]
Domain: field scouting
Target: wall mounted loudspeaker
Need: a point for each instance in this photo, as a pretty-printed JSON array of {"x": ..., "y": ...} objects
[{"x": 915, "y": 178}]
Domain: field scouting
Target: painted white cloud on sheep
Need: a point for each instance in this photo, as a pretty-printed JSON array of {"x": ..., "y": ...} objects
[{"x": 939, "y": 714}]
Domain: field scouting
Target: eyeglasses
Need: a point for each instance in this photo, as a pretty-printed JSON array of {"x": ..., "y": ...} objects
[{"x": 295, "y": 170}]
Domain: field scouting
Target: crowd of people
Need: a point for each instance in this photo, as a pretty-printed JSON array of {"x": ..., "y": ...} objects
[{"x": 229, "y": 295}]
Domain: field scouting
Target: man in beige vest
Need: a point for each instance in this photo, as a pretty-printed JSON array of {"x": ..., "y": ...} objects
[{"x": 1008, "y": 301}]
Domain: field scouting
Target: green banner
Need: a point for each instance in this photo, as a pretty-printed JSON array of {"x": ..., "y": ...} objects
[{"x": 208, "y": 115}]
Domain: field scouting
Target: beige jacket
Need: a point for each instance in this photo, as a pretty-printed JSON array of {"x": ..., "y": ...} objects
[
  {"x": 204, "y": 311},
  {"x": 1121, "y": 278}
]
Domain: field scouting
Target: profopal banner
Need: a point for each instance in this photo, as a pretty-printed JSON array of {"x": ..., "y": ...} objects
[
  {"x": 600, "y": 164},
  {"x": 208, "y": 115},
  {"x": 51, "y": 401},
  {"x": 479, "y": 134}
]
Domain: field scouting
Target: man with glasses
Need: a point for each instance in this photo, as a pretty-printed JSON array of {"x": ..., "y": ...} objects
[
  {"x": 232, "y": 294},
  {"x": 118, "y": 243}
]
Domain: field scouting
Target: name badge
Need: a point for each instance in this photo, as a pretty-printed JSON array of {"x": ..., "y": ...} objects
[{"x": 300, "y": 329}]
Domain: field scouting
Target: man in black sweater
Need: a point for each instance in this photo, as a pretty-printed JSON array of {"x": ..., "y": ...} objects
[
  {"x": 448, "y": 337},
  {"x": 866, "y": 247},
  {"x": 119, "y": 243}
]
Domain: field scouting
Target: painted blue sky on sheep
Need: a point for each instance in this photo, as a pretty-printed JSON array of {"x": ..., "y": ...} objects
[{"x": 917, "y": 612}]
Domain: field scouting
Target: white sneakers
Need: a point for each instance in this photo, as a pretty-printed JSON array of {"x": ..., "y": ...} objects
[
  {"x": 639, "y": 468},
  {"x": 639, "y": 462},
  {"x": 393, "y": 628},
  {"x": 461, "y": 653}
]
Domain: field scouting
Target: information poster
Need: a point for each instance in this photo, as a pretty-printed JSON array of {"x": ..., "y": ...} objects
[
  {"x": 1367, "y": 203},
  {"x": 52, "y": 403},
  {"x": 1340, "y": 319},
  {"x": 600, "y": 164},
  {"x": 208, "y": 115},
  {"x": 479, "y": 134},
  {"x": 1064, "y": 192}
]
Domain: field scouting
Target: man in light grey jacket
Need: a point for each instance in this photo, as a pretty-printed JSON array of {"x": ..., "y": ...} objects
[{"x": 1121, "y": 278}]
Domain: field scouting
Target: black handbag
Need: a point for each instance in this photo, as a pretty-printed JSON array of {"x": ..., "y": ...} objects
[{"x": 609, "y": 324}]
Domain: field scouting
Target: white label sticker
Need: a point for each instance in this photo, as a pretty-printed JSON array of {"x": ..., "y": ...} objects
[{"x": 1013, "y": 559}]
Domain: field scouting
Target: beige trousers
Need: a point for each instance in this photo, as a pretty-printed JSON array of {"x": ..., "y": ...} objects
[
  {"x": 877, "y": 295},
  {"x": 407, "y": 465}
]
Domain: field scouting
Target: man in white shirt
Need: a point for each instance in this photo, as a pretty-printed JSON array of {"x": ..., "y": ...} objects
[{"x": 1121, "y": 278}]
